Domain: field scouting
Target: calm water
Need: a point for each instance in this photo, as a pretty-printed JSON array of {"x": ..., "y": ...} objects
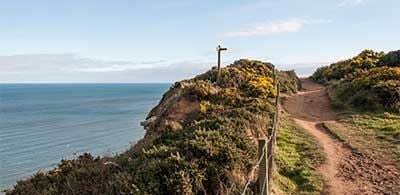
[{"x": 42, "y": 123}]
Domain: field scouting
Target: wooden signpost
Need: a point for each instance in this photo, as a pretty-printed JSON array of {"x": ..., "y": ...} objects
[{"x": 219, "y": 49}]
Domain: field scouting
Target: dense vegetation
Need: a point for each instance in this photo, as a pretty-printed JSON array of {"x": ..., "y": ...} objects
[
  {"x": 370, "y": 80},
  {"x": 210, "y": 152}
]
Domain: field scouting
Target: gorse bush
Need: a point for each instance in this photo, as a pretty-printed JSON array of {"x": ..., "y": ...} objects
[
  {"x": 289, "y": 82},
  {"x": 319, "y": 74},
  {"x": 349, "y": 68},
  {"x": 391, "y": 59},
  {"x": 200, "y": 139},
  {"x": 261, "y": 87},
  {"x": 371, "y": 80},
  {"x": 383, "y": 85}
]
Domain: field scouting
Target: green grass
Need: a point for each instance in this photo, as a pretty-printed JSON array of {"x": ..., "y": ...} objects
[
  {"x": 349, "y": 138},
  {"x": 383, "y": 128},
  {"x": 298, "y": 154},
  {"x": 366, "y": 132}
]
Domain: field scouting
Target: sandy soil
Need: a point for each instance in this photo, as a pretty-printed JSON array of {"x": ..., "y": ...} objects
[{"x": 344, "y": 172}]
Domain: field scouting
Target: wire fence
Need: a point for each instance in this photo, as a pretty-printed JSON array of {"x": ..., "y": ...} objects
[{"x": 266, "y": 150}]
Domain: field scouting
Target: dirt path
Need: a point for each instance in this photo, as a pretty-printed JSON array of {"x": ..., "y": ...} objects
[{"x": 344, "y": 171}]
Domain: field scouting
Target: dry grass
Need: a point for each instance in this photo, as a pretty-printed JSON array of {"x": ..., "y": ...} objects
[{"x": 370, "y": 132}]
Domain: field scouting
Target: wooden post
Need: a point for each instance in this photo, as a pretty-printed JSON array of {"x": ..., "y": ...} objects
[
  {"x": 263, "y": 168},
  {"x": 277, "y": 104},
  {"x": 218, "y": 63},
  {"x": 278, "y": 93},
  {"x": 274, "y": 76},
  {"x": 269, "y": 160},
  {"x": 219, "y": 49},
  {"x": 272, "y": 115}
]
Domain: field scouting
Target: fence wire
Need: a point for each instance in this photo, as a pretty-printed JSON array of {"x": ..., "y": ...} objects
[
  {"x": 271, "y": 138},
  {"x": 251, "y": 175},
  {"x": 254, "y": 169}
]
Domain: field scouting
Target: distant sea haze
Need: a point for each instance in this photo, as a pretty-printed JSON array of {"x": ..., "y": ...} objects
[{"x": 40, "y": 124}]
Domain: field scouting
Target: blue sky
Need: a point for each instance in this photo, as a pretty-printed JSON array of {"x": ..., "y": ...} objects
[{"x": 163, "y": 41}]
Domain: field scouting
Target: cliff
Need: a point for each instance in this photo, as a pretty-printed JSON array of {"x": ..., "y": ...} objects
[{"x": 200, "y": 139}]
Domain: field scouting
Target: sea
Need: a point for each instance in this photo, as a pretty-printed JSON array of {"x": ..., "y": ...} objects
[{"x": 40, "y": 124}]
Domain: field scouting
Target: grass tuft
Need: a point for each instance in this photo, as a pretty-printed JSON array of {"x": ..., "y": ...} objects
[{"x": 298, "y": 155}]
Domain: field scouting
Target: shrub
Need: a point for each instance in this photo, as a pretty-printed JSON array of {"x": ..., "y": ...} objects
[
  {"x": 371, "y": 80},
  {"x": 207, "y": 155},
  {"x": 380, "y": 85},
  {"x": 319, "y": 75},
  {"x": 261, "y": 87},
  {"x": 391, "y": 59}
]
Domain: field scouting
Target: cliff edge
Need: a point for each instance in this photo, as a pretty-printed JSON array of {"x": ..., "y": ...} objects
[{"x": 200, "y": 139}]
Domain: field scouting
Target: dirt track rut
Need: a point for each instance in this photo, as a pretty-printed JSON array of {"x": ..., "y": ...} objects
[{"x": 344, "y": 172}]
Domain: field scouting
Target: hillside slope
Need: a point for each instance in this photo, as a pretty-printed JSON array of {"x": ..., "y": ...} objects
[
  {"x": 367, "y": 89},
  {"x": 360, "y": 171},
  {"x": 365, "y": 92},
  {"x": 200, "y": 139}
]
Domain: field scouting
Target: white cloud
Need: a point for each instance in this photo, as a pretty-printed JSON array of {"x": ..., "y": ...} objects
[
  {"x": 349, "y": 3},
  {"x": 67, "y": 68},
  {"x": 69, "y": 62},
  {"x": 123, "y": 67},
  {"x": 274, "y": 27}
]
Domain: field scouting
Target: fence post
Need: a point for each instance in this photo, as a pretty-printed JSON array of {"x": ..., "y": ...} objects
[
  {"x": 277, "y": 104},
  {"x": 270, "y": 156},
  {"x": 266, "y": 149},
  {"x": 263, "y": 168},
  {"x": 278, "y": 93}
]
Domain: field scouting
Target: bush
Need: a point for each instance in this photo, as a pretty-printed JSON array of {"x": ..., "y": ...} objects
[
  {"x": 380, "y": 85},
  {"x": 211, "y": 154},
  {"x": 261, "y": 87},
  {"x": 319, "y": 75},
  {"x": 371, "y": 80},
  {"x": 391, "y": 59}
]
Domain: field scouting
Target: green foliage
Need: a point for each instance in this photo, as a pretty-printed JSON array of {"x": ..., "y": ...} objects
[
  {"x": 391, "y": 59},
  {"x": 319, "y": 75},
  {"x": 209, "y": 155},
  {"x": 349, "y": 68},
  {"x": 370, "y": 81},
  {"x": 381, "y": 85},
  {"x": 289, "y": 82},
  {"x": 200, "y": 89},
  {"x": 85, "y": 175},
  {"x": 376, "y": 89}
]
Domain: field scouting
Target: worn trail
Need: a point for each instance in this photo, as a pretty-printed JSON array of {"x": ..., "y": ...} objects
[{"x": 344, "y": 172}]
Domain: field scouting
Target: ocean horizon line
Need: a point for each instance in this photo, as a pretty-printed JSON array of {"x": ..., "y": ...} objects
[{"x": 55, "y": 83}]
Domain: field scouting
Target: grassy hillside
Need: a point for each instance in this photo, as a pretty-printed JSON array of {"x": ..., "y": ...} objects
[
  {"x": 367, "y": 86},
  {"x": 200, "y": 139},
  {"x": 368, "y": 81}
]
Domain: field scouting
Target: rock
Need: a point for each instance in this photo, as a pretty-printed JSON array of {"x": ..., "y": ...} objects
[
  {"x": 148, "y": 121},
  {"x": 173, "y": 125}
]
